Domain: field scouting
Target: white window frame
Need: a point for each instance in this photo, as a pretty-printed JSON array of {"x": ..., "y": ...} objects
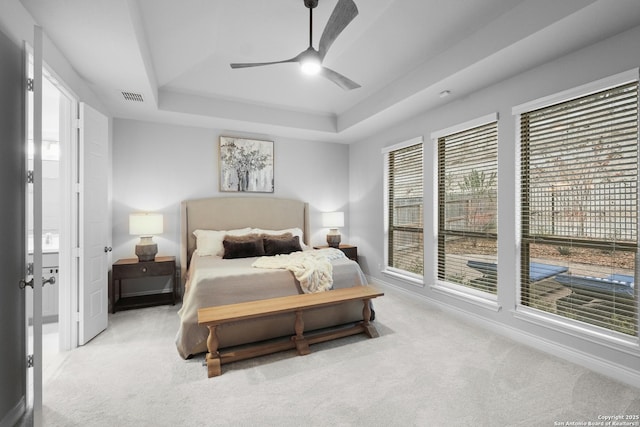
[
  {"x": 407, "y": 276},
  {"x": 601, "y": 336},
  {"x": 476, "y": 297}
]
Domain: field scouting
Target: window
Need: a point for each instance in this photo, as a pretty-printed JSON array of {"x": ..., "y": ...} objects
[
  {"x": 579, "y": 207},
  {"x": 467, "y": 204},
  {"x": 403, "y": 204}
]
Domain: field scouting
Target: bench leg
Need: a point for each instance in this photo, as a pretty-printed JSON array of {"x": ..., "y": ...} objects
[
  {"x": 301, "y": 343},
  {"x": 213, "y": 357},
  {"x": 369, "y": 329}
]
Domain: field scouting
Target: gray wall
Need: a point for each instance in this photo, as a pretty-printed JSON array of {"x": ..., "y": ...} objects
[
  {"x": 606, "y": 58},
  {"x": 12, "y": 214},
  {"x": 156, "y": 166}
]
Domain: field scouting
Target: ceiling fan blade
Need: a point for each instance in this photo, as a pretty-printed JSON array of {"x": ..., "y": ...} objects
[
  {"x": 342, "y": 81},
  {"x": 260, "y": 64},
  {"x": 341, "y": 16}
]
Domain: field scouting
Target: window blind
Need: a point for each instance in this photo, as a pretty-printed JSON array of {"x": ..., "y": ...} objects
[
  {"x": 579, "y": 177},
  {"x": 405, "y": 208},
  {"x": 467, "y": 207}
]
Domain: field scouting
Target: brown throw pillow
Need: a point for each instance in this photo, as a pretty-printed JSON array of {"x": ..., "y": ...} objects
[
  {"x": 242, "y": 249},
  {"x": 243, "y": 238},
  {"x": 280, "y": 246},
  {"x": 284, "y": 236}
]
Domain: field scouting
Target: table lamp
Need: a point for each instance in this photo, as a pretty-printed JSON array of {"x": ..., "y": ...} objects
[
  {"x": 333, "y": 220},
  {"x": 145, "y": 225}
]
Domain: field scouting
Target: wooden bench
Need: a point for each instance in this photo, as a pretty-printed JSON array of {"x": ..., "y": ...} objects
[{"x": 212, "y": 317}]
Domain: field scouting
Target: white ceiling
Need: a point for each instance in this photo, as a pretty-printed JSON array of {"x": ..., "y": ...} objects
[{"x": 402, "y": 52}]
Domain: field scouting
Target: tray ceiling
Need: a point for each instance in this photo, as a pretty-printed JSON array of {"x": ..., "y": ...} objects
[{"x": 404, "y": 53}]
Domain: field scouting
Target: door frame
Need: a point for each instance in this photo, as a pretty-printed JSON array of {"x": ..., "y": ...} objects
[
  {"x": 69, "y": 222},
  {"x": 34, "y": 381}
]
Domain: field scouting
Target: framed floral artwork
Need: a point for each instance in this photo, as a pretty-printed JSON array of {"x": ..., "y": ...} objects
[{"x": 246, "y": 165}]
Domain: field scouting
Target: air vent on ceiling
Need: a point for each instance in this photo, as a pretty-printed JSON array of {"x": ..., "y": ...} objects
[{"x": 130, "y": 96}]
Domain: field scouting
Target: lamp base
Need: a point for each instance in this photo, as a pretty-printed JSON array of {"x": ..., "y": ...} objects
[
  {"x": 146, "y": 250},
  {"x": 333, "y": 238}
]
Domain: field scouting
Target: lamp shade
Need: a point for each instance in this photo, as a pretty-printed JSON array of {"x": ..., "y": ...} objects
[
  {"x": 333, "y": 219},
  {"x": 145, "y": 224}
]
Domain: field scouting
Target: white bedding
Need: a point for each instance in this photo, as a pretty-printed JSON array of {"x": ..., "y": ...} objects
[
  {"x": 215, "y": 281},
  {"x": 312, "y": 269}
]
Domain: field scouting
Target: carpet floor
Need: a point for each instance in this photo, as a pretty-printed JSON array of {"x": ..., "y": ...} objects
[{"x": 427, "y": 368}]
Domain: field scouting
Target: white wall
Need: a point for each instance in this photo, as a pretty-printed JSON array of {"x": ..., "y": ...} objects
[
  {"x": 606, "y": 58},
  {"x": 156, "y": 166}
]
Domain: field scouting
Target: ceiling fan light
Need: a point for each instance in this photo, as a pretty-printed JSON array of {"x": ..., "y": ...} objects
[{"x": 310, "y": 66}]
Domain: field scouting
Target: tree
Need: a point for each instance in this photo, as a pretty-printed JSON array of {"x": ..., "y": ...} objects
[{"x": 480, "y": 188}]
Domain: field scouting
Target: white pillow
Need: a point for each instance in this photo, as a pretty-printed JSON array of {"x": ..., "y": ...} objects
[
  {"x": 209, "y": 242},
  {"x": 240, "y": 231},
  {"x": 294, "y": 232}
]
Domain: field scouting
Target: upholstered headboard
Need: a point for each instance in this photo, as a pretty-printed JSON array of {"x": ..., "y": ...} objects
[{"x": 228, "y": 213}]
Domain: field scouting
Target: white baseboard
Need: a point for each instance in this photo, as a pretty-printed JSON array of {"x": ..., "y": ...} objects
[
  {"x": 589, "y": 361},
  {"x": 16, "y": 413}
]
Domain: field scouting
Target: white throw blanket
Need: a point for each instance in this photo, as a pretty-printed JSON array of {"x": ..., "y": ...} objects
[{"x": 312, "y": 269}]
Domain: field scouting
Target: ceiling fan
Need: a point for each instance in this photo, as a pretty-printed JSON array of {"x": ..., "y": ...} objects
[{"x": 311, "y": 59}]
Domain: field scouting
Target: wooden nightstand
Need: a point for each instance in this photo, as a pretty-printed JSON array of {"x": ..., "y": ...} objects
[
  {"x": 349, "y": 250},
  {"x": 131, "y": 268}
]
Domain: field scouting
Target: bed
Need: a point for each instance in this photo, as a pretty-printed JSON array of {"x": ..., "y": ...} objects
[{"x": 210, "y": 280}]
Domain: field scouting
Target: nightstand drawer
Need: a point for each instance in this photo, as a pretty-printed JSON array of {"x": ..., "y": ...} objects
[{"x": 143, "y": 269}]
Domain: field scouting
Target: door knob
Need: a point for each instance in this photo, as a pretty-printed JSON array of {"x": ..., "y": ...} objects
[
  {"x": 23, "y": 283},
  {"x": 108, "y": 249}
]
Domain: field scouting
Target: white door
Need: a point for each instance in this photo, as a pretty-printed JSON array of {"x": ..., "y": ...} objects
[
  {"x": 94, "y": 227},
  {"x": 33, "y": 234}
]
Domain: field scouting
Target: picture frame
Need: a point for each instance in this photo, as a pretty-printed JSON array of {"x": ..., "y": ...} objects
[{"x": 246, "y": 165}]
